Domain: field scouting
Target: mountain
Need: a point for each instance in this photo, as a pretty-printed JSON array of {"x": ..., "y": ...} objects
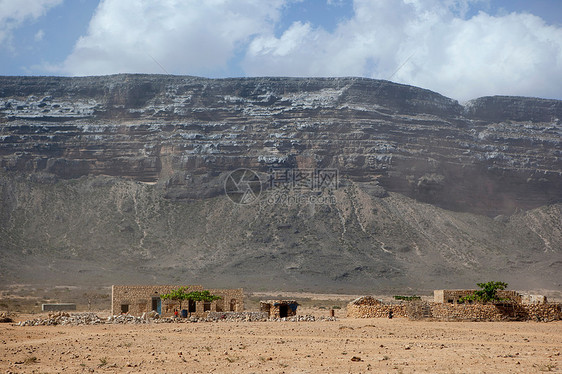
[{"x": 122, "y": 179}]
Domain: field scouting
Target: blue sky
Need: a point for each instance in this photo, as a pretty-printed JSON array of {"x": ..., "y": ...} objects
[{"x": 460, "y": 48}]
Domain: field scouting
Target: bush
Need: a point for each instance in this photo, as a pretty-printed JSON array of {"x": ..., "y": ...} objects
[{"x": 487, "y": 293}]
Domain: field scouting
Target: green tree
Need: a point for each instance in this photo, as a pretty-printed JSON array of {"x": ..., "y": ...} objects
[
  {"x": 202, "y": 296},
  {"x": 176, "y": 295},
  {"x": 180, "y": 295},
  {"x": 487, "y": 293}
]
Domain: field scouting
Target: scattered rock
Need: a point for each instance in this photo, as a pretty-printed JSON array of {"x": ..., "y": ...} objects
[{"x": 62, "y": 318}]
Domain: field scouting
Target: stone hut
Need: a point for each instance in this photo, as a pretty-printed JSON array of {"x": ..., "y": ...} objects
[
  {"x": 369, "y": 307},
  {"x": 136, "y": 300},
  {"x": 279, "y": 308}
]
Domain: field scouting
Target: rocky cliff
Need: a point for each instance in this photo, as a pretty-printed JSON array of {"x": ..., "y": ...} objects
[{"x": 127, "y": 173}]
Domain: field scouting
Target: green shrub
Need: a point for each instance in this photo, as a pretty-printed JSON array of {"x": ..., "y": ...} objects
[{"x": 487, "y": 293}]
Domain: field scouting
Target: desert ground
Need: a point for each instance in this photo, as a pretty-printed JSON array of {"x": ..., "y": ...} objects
[{"x": 344, "y": 346}]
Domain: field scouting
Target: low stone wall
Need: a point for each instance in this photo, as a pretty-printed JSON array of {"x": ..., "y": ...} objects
[
  {"x": 500, "y": 312},
  {"x": 237, "y": 316},
  {"x": 467, "y": 312},
  {"x": 457, "y": 312},
  {"x": 544, "y": 312}
]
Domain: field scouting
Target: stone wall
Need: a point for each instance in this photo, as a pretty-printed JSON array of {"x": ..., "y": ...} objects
[
  {"x": 136, "y": 300},
  {"x": 367, "y": 308},
  {"x": 497, "y": 312},
  {"x": 466, "y": 312},
  {"x": 376, "y": 311},
  {"x": 544, "y": 312}
]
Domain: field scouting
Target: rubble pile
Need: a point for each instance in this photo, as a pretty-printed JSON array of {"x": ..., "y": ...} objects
[
  {"x": 303, "y": 318},
  {"x": 62, "y": 318},
  {"x": 127, "y": 319},
  {"x": 245, "y": 317},
  {"x": 236, "y": 316},
  {"x": 5, "y": 318}
]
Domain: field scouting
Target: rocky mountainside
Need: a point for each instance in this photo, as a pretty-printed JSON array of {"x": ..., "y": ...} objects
[{"x": 121, "y": 178}]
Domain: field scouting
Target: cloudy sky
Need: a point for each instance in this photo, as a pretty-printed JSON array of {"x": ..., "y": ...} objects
[{"x": 460, "y": 48}]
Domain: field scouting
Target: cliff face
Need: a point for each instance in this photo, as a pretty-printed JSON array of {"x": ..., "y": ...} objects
[
  {"x": 493, "y": 156},
  {"x": 114, "y": 137}
]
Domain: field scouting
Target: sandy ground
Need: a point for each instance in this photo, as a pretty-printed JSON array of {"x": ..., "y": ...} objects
[{"x": 378, "y": 345}]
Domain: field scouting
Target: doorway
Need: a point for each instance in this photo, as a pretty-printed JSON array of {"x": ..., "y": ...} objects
[
  {"x": 191, "y": 306},
  {"x": 157, "y": 305},
  {"x": 283, "y": 311}
]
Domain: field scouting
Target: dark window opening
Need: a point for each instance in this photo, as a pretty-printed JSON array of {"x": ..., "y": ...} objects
[
  {"x": 450, "y": 301},
  {"x": 206, "y": 306},
  {"x": 124, "y": 308}
]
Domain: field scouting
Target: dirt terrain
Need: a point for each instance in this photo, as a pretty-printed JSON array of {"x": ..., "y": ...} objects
[{"x": 344, "y": 346}]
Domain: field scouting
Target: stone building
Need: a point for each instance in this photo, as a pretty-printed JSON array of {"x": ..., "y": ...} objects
[
  {"x": 58, "y": 307},
  {"x": 452, "y": 296},
  {"x": 136, "y": 300},
  {"x": 279, "y": 308},
  {"x": 533, "y": 299}
]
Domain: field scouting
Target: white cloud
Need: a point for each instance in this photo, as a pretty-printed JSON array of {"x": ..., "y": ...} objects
[
  {"x": 444, "y": 50},
  {"x": 185, "y": 37},
  {"x": 39, "y": 35},
  {"x": 516, "y": 54},
  {"x": 13, "y": 13}
]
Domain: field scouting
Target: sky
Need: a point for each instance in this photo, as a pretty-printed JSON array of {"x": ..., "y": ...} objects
[{"x": 463, "y": 49}]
